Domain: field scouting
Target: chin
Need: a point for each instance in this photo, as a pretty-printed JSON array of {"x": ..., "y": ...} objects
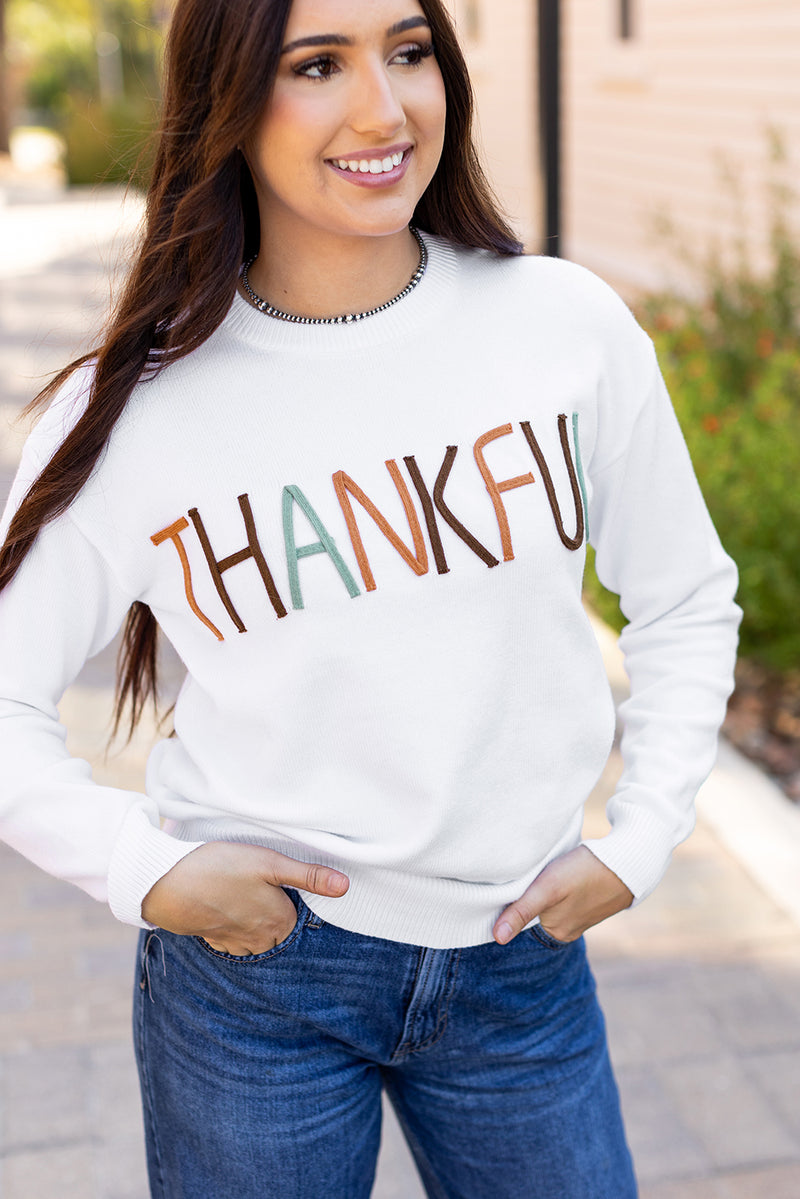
[{"x": 381, "y": 225}]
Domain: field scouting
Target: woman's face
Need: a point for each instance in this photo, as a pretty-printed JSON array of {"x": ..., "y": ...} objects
[{"x": 353, "y": 133}]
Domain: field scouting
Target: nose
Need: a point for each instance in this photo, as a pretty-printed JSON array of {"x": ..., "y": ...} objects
[{"x": 376, "y": 106}]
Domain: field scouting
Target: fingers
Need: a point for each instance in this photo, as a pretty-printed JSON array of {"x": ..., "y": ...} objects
[
  {"x": 516, "y": 916},
  {"x": 259, "y": 936},
  {"x": 546, "y": 891},
  {"x": 572, "y": 893},
  {"x": 283, "y": 871}
]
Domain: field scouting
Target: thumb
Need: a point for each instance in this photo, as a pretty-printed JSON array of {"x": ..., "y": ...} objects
[
  {"x": 283, "y": 871},
  {"x": 513, "y": 919},
  {"x": 548, "y": 888}
]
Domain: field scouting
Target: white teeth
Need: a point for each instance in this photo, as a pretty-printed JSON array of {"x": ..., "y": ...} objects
[{"x": 371, "y": 166}]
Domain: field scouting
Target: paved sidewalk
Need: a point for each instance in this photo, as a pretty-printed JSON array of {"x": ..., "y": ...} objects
[{"x": 700, "y": 984}]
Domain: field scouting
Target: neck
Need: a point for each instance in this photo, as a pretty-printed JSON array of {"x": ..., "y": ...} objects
[{"x": 327, "y": 277}]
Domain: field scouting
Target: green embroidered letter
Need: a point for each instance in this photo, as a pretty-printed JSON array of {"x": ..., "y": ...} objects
[
  {"x": 579, "y": 468},
  {"x": 325, "y": 545}
]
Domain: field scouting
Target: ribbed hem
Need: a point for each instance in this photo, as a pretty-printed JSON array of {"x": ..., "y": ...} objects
[
  {"x": 638, "y": 850},
  {"x": 143, "y": 854},
  {"x": 416, "y": 909},
  {"x": 440, "y": 913}
]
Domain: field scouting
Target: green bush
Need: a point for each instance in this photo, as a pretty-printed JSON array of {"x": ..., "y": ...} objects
[
  {"x": 732, "y": 364},
  {"x": 108, "y": 145},
  {"x": 105, "y": 108}
]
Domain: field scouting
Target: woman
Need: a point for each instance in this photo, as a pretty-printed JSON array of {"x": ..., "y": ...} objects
[{"x": 353, "y": 481}]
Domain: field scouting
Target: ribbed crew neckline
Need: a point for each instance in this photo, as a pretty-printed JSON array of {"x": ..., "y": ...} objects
[{"x": 409, "y": 315}]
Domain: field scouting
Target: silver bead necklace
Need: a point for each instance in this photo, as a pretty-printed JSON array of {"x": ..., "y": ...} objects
[{"x": 264, "y": 306}]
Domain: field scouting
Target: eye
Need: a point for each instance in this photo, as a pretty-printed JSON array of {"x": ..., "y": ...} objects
[
  {"x": 413, "y": 56},
  {"x": 324, "y": 66}
]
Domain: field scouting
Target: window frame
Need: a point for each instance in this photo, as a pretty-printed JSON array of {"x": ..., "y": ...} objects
[{"x": 625, "y": 22}]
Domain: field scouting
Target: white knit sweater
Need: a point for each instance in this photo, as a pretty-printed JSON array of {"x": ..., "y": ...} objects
[{"x": 366, "y": 543}]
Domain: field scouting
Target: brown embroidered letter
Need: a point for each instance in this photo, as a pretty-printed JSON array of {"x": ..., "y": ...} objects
[
  {"x": 252, "y": 550},
  {"x": 572, "y": 543},
  {"x": 430, "y": 515},
  {"x": 454, "y": 523}
]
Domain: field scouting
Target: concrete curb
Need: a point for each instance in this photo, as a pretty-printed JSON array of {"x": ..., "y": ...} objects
[
  {"x": 755, "y": 821},
  {"x": 748, "y": 813}
]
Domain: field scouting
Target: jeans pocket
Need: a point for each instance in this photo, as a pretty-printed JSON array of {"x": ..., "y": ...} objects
[
  {"x": 247, "y": 959},
  {"x": 545, "y": 938}
]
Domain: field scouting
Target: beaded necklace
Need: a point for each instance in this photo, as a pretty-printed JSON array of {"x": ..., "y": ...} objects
[{"x": 269, "y": 310}]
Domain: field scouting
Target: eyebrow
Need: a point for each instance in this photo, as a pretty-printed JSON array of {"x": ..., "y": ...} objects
[{"x": 338, "y": 39}]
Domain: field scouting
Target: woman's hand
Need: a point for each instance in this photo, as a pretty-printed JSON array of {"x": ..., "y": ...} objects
[
  {"x": 231, "y": 895},
  {"x": 571, "y": 894}
]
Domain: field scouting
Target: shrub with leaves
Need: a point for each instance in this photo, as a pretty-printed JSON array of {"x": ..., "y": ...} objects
[{"x": 90, "y": 72}]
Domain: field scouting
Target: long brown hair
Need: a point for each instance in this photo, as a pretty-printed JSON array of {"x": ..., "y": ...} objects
[{"x": 201, "y": 223}]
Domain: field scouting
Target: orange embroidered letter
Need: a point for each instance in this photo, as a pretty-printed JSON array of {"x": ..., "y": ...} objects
[
  {"x": 173, "y": 534},
  {"x": 495, "y": 489},
  {"x": 418, "y": 561}
]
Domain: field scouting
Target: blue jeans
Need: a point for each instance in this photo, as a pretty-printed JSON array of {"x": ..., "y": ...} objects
[{"x": 261, "y": 1076}]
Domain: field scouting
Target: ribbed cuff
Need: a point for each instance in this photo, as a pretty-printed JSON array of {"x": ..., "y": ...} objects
[
  {"x": 142, "y": 855},
  {"x": 638, "y": 850}
]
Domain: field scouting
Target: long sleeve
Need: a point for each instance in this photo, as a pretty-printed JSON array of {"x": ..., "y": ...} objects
[
  {"x": 658, "y": 550},
  {"x": 63, "y": 607}
]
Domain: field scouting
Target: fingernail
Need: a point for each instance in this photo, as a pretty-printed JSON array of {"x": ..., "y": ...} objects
[
  {"x": 504, "y": 933},
  {"x": 337, "y": 882}
]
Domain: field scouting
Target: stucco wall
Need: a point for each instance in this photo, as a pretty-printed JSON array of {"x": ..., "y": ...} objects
[
  {"x": 650, "y": 124},
  {"x": 499, "y": 39},
  {"x": 653, "y": 124}
]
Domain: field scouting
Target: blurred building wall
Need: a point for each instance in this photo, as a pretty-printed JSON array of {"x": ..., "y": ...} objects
[
  {"x": 499, "y": 39},
  {"x": 651, "y": 123}
]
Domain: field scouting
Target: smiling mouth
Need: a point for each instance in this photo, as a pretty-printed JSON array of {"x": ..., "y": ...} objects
[{"x": 371, "y": 166}]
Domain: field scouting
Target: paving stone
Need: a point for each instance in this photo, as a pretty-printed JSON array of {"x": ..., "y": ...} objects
[
  {"x": 396, "y": 1176},
  {"x": 120, "y": 1169},
  {"x": 14, "y": 947},
  {"x": 661, "y": 1142},
  {"x": 780, "y": 1182},
  {"x": 45, "y": 1098},
  {"x": 44, "y": 892},
  {"x": 12, "y": 864},
  {"x": 15, "y": 996},
  {"x": 119, "y": 1153},
  {"x": 727, "y": 1112},
  {"x": 63, "y": 1172},
  {"x": 750, "y": 1012},
  {"x": 114, "y": 1085},
  {"x": 779, "y": 962},
  {"x": 778, "y": 1076},
  {"x": 657, "y": 1018},
  {"x": 697, "y": 1188},
  {"x": 108, "y": 961}
]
